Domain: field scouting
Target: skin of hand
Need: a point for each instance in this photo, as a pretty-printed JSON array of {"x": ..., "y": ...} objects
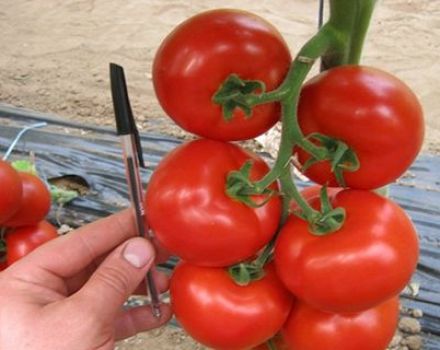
[{"x": 68, "y": 293}]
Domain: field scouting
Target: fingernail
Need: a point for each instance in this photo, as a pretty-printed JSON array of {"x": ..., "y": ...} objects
[{"x": 138, "y": 253}]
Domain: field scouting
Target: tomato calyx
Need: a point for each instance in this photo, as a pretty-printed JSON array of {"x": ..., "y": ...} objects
[
  {"x": 236, "y": 93},
  {"x": 327, "y": 220},
  {"x": 245, "y": 273},
  {"x": 338, "y": 153},
  {"x": 240, "y": 187}
]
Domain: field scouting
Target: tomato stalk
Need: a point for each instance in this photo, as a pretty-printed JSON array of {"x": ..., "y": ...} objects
[{"x": 338, "y": 42}]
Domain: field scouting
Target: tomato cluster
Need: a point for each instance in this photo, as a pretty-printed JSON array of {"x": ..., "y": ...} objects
[
  {"x": 24, "y": 203},
  {"x": 315, "y": 290}
]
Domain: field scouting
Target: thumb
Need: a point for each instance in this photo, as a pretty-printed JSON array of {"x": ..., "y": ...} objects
[{"x": 117, "y": 277}]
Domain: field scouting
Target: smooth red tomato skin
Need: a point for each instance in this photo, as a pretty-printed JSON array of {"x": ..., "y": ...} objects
[
  {"x": 21, "y": 241},
  {"x": 35, "y": 203},
  {"x": 369, "y": 260},
  {"x": 375, "y": 113},
  {"x": 222, "y": 315},
  {"x": 191, "y": 214},
  {"x": 196, "y": 58},
  {"x": 311, "y": 329},
  {"x": 10, "y": 191}
]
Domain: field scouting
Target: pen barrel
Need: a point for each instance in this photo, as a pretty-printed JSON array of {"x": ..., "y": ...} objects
[
  {"x": 136, "y": 197},
  {"x": 134, "y": 184}
]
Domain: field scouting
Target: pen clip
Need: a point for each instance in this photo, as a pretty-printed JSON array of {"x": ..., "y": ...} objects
[{"x": 125, "y": 123}]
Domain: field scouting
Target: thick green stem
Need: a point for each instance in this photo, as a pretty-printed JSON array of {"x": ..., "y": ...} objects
[
  {"x": 291, "y": 133},
  {"x": 350, "y": 19},
  {"x": 291, "y": 191},
  {"x": 338, "y": 42}
]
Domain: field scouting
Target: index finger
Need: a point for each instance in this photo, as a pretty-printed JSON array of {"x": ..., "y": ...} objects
[{"x": 74, "y": 251}]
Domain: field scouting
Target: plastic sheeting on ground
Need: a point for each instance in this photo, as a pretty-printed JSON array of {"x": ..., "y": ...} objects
[{"x": 65, "y": 148}]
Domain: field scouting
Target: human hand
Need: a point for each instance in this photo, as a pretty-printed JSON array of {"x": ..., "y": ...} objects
[{"x": 68, "y": 294}]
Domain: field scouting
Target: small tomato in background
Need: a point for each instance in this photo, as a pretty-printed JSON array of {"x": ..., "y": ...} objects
[
  {"x": 219, "y": 313},
  {"x": 11, "y": 191},
  {"x": 311, "y": 329},
  {"x": 35, "y": 202},
  {"x": 369, "y": 260},
  {"x": 22, "y": 240}
]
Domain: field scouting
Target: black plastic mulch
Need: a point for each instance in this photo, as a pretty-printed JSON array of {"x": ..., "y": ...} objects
[{"x": 64, "y": 148}]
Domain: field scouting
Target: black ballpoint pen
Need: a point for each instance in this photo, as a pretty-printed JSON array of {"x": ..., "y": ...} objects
[{"x": 132, "y": 153}]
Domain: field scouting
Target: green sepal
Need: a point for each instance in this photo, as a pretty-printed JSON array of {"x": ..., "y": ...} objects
[
  {"x": 62, "y": 196},
  {"x": 338, "y": 153},
  {"x": 234, "y": 93},
  {"x": 25, "y": 166},
  {"x": 245, "y": 273},
  {"x": 327, "y": 220},
  {"x": 240, "y": 187}
]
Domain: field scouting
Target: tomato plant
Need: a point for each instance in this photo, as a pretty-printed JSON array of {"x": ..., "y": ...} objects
[
  {"x": 310, "y": 329},
  {"x": 370, "y": 259},
  {"x": 194, "y": 218},
  {"x": 35, "y": 202},
  {"x": 22, "y": 240},
  {"x": 217, "y": 312},
  {"x": 201, "y": 53},
  {"x": 11, "y": 192},
  {"x": 373, "y": 112},
  {"x": 343, "y": 251}
]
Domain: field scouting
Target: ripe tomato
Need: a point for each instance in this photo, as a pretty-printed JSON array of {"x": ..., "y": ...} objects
[
  {"x": 220, "y": 314},
  {"x": 375, "y": 113},
  {"x": 10, "y": 192},
  {"x": 194, "y": 218},
  {"x": 311, "y": 329},
  {"x": 35, "y": 203},
  {"x": 21, "y": 241},
  {"x": 196, "y": 58},
  {"x": 369, "y": 260},
  {"x": 3, "y": 265}
]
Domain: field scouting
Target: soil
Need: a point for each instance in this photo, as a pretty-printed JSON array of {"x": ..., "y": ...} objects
[{"x": 54, "y": 58}]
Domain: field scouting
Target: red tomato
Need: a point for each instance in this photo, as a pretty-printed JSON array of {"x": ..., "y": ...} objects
[
  {"x": 220, "y": 314},
  {"x": 3, "y": 265},
  {"x": 196, "y": 58},
  {"x": 375, "y": 113},
  {"x": 310, "y": 329},
  {"x": 23, "y": 240},
  {"x": 194, "y": 218},
  {"x": 35, "y": 203},
  {"x": 10, "y": 191},
  {"x": 369, "y": 260}
]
